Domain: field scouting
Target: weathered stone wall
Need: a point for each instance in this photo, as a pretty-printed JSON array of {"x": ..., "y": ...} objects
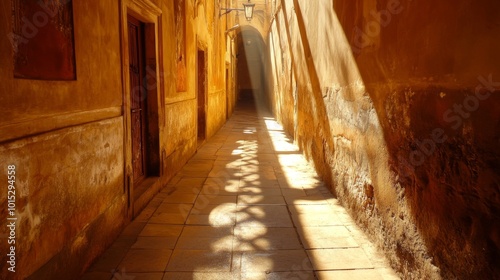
[
  {"x": 61, "y": 189},
  {"x": 66, "y": 140},
  {"x": 396, "y": 103}
]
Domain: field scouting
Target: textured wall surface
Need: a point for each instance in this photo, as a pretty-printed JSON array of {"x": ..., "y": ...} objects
[
  {"x": 70, "y": 140},
  {"x": 61, "y": 189},
  {"x": 66, "y": 140},
  {"x": 397, "y": 105}
]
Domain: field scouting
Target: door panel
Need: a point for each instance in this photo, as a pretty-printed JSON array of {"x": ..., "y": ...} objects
[
  {"x": 138, "y": 96},
  {"x": 201, "y": 96}
]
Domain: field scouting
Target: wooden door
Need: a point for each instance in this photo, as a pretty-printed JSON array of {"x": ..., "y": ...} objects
[
  {"x": 138, "y": 98},
  {"x": 228, "y": 88},
  {"x": 201, "y": 96}
]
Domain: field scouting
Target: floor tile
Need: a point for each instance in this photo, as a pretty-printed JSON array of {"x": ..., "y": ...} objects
[
  {"x": 220, "y": 171},
  {"x": 181, "y": 198},
  {"x": 214, "y": 244},
  {"x": 145, "y": 260},
  {"x": 133, "y": 229},
  {"x": 161, "y": 230},
  {"x": 124, "y": 241},
  {"x": 96, "y": 275},
  {"x": 275, "y": 261},
  {"x": 109, "y": 260},
  {"x": 307, "y": 200},
  {"x": 227, "y": 183},
  {"x": 326, "y": 237},
  {"x": 310, "y": 209},
  {"x": 293, "y": 192},
  {"x": 174, "y": 208},
  {"x": 207, "y": 209},
  {"x": 195, "y": 174},
  {"x": 329, "y": 259},
  {"x": 260, "y": 183},
  {"x": 256, "y": 168},
  {"x": 261, "y": 200},
  {"x": 257, "y": 176},
  {"x": 153, "y": 242},
  {"x": 145, "y": 214},
  {"x": 199, "y": 260},
  {"x": 206, "y": 231},
  {"x": 190, "y": 183},
  {"x": 215, "y": 199},
  {"x": 198, "y": 166},
  {"x": 297, "y": 274},
  {"x": 263, "y": 215},
  {"x": 263, "y": 239},
  {"x": 314, "y": 220},
  {"x": 259, "y": 191},
  {"x": 167, "y": 218},
  {"x": 141, "y": 276},
  {"x": 214, "y": 220},
  {"x": 357, "y": 274},
  {"x": 201, "y": 276}
]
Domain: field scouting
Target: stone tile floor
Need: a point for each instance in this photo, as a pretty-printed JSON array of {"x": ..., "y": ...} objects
[{"x": 246, "y": 206}]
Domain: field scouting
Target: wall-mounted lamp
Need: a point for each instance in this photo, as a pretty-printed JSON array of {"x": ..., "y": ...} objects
[{"x": 247, "y": 8}]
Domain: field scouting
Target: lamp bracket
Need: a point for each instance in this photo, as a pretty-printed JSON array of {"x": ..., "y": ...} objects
[{"x": 228, "y": 10}]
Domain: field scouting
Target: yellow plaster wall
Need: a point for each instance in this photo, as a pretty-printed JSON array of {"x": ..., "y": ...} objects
[
  {"x": 374, "y": 101},
  {"x": 66, "y": 140},
  {"x": 98, "y": 84}
]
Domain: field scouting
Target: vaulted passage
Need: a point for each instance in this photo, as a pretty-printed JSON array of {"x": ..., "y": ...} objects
[
  {"x": 252, "y": 80},
  {"x": 250, "y": 139}
]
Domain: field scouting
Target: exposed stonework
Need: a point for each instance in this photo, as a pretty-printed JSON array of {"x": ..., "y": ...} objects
[
  {"x": 70, "y": 152},
  {"x": 368, "y": 90}
]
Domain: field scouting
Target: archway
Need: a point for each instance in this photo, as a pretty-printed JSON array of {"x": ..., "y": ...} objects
[{"x": 252, "y": 83}]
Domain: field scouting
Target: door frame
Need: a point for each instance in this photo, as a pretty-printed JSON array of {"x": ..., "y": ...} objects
[{"x": 148, "y": 13}]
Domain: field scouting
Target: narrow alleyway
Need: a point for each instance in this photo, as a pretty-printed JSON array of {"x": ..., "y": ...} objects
[{"x": 246, "y": 206}]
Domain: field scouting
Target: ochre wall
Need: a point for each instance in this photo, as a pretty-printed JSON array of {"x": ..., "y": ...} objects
[
  {"x": 65, "y": 138},
  {"x": 179, "y": 138},
  {"x": 51, "y": 104},
  {"x": 68, "y": 139},
  {"x": 375, "y": 100},
  {"x": 215, "y": 42}
]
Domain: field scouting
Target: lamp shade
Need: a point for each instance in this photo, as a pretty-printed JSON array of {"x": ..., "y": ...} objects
[{"x": 248, "y": 7}]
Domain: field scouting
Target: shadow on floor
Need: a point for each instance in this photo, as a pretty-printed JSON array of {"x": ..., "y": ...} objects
[{"x": 246, "y": 206}]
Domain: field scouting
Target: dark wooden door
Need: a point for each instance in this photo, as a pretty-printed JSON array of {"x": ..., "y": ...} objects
[
  {"x": 228, "y": 86},
  {"x": 138, "y": 96},
  {"x": 201, "y": 96}
]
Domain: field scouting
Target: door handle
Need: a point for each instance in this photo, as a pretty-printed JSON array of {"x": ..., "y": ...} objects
[{"x": 136, "y": 110}]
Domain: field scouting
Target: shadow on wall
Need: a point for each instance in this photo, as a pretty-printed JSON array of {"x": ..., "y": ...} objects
[
  {"x": 405, "y": 134},
  {"x": 298, "y": 90}
]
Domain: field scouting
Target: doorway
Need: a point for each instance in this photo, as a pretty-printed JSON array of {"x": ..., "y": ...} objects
[
  {"x": 252, "y": 83},
  {"x": 144, "y": 126},
  {"x": 228, "y": 90},
  {"x": 138, "y": 98},
  {"x": 202, "y": 96}
]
